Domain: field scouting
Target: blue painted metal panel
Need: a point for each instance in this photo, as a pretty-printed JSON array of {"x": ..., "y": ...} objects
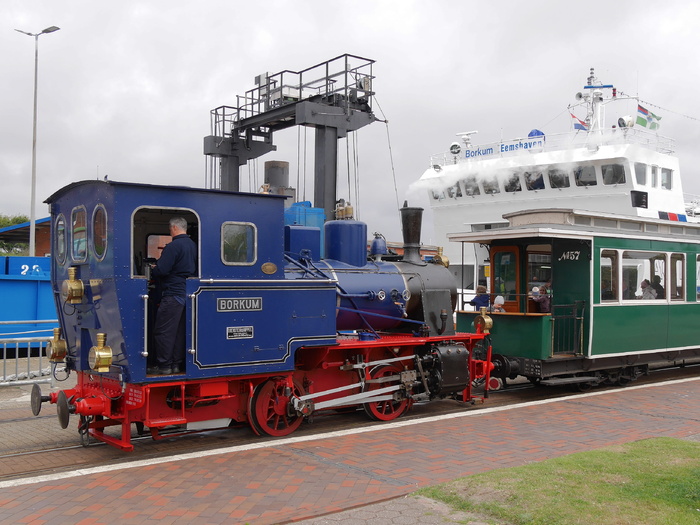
[{"x": 253, "y": 329}]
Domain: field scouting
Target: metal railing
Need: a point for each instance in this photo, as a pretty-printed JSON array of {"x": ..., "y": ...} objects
[
  {"x": 348, "y": 77},
  {"x": 567, "y": 328},
  {"x": 24, "y": 361}
]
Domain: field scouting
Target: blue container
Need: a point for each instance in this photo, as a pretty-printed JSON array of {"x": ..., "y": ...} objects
[
  {"x": 302, "y": 214},
  {"x": 346, "y": 241},
  {"x": 25, "y": 286},
  {"x": 29, "y": 266}
]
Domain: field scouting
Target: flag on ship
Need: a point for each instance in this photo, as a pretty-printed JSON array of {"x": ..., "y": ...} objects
[
  {"x": 578, "y": 123},
  {"x": 646, "y": 118}
]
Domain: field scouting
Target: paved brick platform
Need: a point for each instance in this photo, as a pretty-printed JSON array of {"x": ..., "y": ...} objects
[{"x": 296, "y": 479}]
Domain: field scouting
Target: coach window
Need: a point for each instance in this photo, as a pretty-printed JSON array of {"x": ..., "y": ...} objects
[
  {"x": 640, "y": 173},
  {"x": 613, "y": 174},
  {"x": 666, "y": 178},
  {"x": 99, "y": 232},
  {"x": 79, "y": 235},
  {"x": 239, "y": 243},
  {"x": 505, "y": 273},
  {"x": 539, "y": 265},
  {"x": 559, "y": 179},
  {"x": 608, "y": 276},
  {"x": 649, "y": 266},
  {"x": 585, "y": 176},
  {"x": 60, "y": 248},
  {"x": 697, "y": 277},
  {"x": 676, "y": 288}
]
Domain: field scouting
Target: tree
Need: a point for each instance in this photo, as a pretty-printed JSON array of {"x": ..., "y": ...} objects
[{"x": 13, "y": 248}]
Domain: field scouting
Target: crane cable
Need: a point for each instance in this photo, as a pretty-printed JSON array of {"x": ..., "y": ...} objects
[{"x": 391, "y": 153}]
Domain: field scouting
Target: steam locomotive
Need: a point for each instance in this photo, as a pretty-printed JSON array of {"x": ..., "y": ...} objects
[{"x": 275, "y": 331}]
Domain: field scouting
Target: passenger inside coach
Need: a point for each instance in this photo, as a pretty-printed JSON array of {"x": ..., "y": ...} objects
[{"x": 658, "y": 288}]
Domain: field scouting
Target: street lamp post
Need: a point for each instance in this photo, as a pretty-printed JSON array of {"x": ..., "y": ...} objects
[{"x": 32, "y": 209}]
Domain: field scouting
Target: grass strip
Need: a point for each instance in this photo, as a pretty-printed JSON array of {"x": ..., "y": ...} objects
[{"x": 653, "y": 481}]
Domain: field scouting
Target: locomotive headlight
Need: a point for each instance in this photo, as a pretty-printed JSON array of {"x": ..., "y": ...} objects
[
  {"x": 483, "y": 323},
  {"x": 57, "y": 348},
  {"x": 72, "y": 289},
  {"x": 100, "y": 356}
]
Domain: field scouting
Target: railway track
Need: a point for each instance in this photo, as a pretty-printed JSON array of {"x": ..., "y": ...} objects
[{"x": 49, "y": 449}]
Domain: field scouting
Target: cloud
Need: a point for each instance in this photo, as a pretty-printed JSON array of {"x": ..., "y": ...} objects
[{"x": 125, "y": 89}]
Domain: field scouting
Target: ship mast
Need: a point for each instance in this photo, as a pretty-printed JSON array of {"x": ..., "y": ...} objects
[{"x": 593, "y": 96}]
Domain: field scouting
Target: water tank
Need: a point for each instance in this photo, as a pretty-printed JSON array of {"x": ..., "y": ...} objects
[{"x": 346, "y": 241}]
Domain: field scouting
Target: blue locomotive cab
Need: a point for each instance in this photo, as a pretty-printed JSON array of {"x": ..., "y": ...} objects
[{"x": 242, "y": 316}]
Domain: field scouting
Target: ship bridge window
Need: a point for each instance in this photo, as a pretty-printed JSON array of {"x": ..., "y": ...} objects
[
  {"x": 585, "y": 176},
  {"x": 491, "y": 186},
  {"x": 654, "y": 176},
  {"x": 239, "y": 243},
  {"x": 534, "y": 180},
  {"x": 559, "y": 179},
  {"x": 666, "y": 178},
  {"x": 512, "y": 183},
  {"x": 79, "y": 235},
  {"x": 60, "y": 248},
  {"x": 613, "y": 174},
  {"x": 454, "y": 191},
  {"x": 640, "y": 173},
  {"x": 471, "y": 186},
  {"x": 438, "y": 195}
]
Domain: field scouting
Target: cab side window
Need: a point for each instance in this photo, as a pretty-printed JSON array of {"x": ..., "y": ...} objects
[{"x": 239, "y": 243}]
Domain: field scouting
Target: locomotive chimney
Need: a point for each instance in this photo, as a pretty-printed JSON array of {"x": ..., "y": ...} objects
[{"x": 411, "y": 220}]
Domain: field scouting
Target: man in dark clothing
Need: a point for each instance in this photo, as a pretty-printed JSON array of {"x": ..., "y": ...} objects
[
  {"x": 656, "y": 285},
  {"x": 177, "y": 262}
]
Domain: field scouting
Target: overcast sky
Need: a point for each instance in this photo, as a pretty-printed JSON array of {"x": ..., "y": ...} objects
[{"x": 126, "y": 88}]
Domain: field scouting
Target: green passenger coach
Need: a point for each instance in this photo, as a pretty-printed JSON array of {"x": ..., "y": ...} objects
[{"x": 590, "y": 297}]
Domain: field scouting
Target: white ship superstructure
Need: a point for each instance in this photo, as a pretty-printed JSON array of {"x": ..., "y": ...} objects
[{"x": 626, "y": 169}]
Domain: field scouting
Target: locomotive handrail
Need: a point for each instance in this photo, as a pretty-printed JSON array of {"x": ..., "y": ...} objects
[
  {"x": 144, "y": 297},
  {"x": 258, "y": 281}
]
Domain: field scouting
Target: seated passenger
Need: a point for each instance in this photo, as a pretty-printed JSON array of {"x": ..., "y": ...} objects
[
  {"x": 658, "y": 288},
  {"x": 481, "y": 299},
  {"x": 647, "y": 291},
  {"x": 542, "y": 298},
  {"x": 498, "y": 304}
]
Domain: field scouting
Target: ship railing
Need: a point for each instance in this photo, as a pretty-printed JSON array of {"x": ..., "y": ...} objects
[
  {"x": 556, "y": 142},
  {"x": 24, "y": 359}
]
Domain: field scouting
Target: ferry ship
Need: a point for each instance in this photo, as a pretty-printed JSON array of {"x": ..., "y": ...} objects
[{"x": 627, "y": 168}]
